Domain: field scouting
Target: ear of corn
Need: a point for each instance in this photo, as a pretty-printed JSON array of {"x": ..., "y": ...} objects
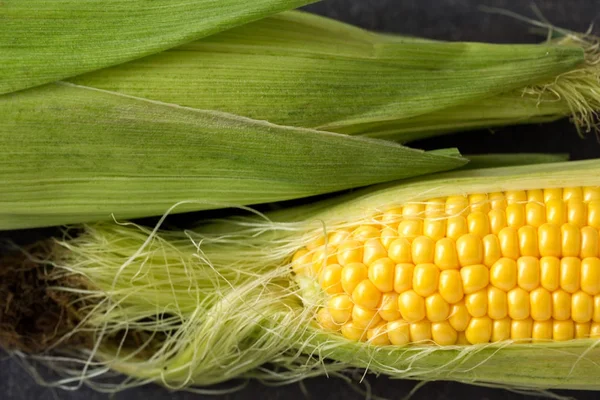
[
  {"x": 42, "y": 41},
  {"x": 236, "y": 294},
  {"x": 74, "y": 154},
  {"x": 407, "y": 88}
]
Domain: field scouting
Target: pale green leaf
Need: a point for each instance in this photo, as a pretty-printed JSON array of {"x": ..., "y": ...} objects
[
  {"x": 512, "y": 159},
  {"x": 74, "y": 154}
]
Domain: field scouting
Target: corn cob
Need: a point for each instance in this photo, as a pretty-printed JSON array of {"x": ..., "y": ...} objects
[{"x": 483, "y": 276}]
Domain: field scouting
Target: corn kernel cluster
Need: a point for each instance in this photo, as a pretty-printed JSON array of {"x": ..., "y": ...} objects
[{"x": 521, "y": 265}]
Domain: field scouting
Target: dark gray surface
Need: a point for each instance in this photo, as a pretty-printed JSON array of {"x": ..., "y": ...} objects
[{"x": 441, "y": 19}]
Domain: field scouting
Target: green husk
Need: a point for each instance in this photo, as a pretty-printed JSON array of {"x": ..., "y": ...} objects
[
  {"x": 303, "y": 70},
  {"x": 220, "y": 302},
  {"x": 477, "y": 161},
  {"x": 77, "y": 154},
  {"x": 42, "y": 41}
]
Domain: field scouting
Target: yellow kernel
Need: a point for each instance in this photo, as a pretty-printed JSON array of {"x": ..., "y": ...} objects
[
  {"x": 596, "y": 315},
  {"x": 420, "y": 331},
  {"x": 509, "y": 243},
  {"x": 594, "y": 214},
  {"x": 591, "y": 193},
  {"x": 497, "y": 200},
  {"x": 570, "y": 274},
  {"x": 382, "y": 274},
  {"x": 528, "y": 273},
  {"x": 423, "y": 250},
  {"x": 478, "y": 223},
  {"x": 497, "y": 303},
  {"x": 411, "y": 306},
  {"x": 556, "y": 212},
  {"x": 413, "y": 210},
  {"x": 330, "y": 279},
  {"x": 528, "y": 241},
  {"x": 340, "y": 308},
  {"x": 450, "y": 286},
  {"x": 373, "y": 250},
  {"x": 518, "y": 303},
  {"x": 582, "y": 331},
  {"x": 352, "y": 275},
  {"x": 322, "y": 257},
  {"x": 563, "y": 330},
  {"x": 425, "y": 279},
  {"x": 364, "y": 318},
  {"x": 549, "y": 238},
  {"x": 535, "y": 195},
  {"x": 462, "y": 339},
  {"x": 434, "y": 228},
  {"x": 410, "y": 229},
  {"x": 535, "y": 214},
  {"x": 398, "y": 332},
  {"x": 572, "y": 193},
  {"x": 515, "y": 196},
  {"x": 540, "y": 304},
  {"x": 437, "y": 309},
  {"x": 469, "y": 248},
  {"x": 479, "y": 202},
  {"x": 589, "y": 242},
  {"x": 435, "y": 208},
  {"x": 497, "y": 220},
  {"x": 474, "y": 278},
  {"x": 352, "y": 332},
  {"x": 571, "y": 240},
  {"x": 549, "y": 273},
  {"x": 445, "y": 255},
  {"x": 400, "y": 251},
  {"x": 316, "y": 243},
  {"x": 477, "y": 303},
  {"x": 389, "y": 307},
  {"x": 500, "y": 330},
  {"x": 392, "y": 217},
  {"x": 595, "y": 330},
  {"x": 503, "y": 274},
  {"x": 577, "y": 213},
  {"x": 457, "y": 205},
  {"x": 338, "y": 237},
  {"x": 479, "y": 330},
  {"x": 542, "y": 331},
  {"x": 459, "y": 316},
  {"x": 491, "y": 250},
  {"x": 350, "y": 251},
  {"x": 366, "y": 232},
  {"x": 515, "y": 215},
  {"x": 301, "y": 262},
  {"x": 552, "y": 194},
  {"x": 388, "y": 235},
  {"x": 456, "y": 227},
  {"x": 325, "y": 320},
  {"x": 403, "y": 277},
  {"x": 378, "y": 336},
  {"x": 561, "y": 305},
  {"x": 582, "y": 307},
  {"x": 366, "y": 294},
  {"x": 590, "y": 275},
  {"x": 521, "y": 330},
  {"x": 443, "y": 333}
]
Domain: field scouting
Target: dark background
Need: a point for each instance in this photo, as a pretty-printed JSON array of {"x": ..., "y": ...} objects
[{"x": 440, "y": 19}]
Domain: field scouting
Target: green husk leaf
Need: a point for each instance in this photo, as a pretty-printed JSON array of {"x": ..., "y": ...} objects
[
  {"x": 75, "y": 154},
  {"x": 303, "y": 70},
  {"x": 42, "y": 41},
  {"x": 218, "y": 304},
  {"x": 506, "y": 160}
]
